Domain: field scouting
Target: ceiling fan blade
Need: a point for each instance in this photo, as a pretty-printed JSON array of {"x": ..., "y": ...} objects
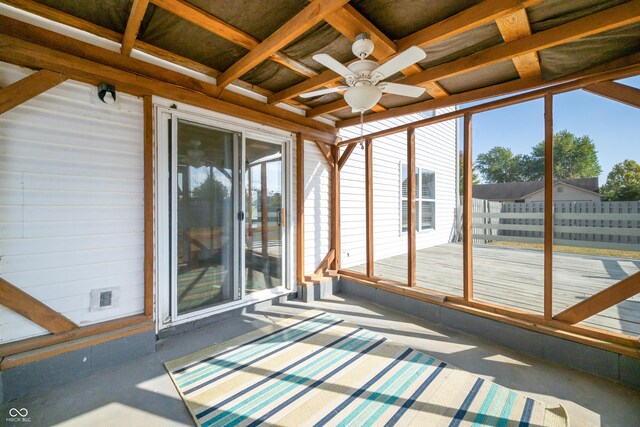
[
  {"x": 333, "y": 64},
  {"x": 408, "y": 57},
  {"x": 323, "y": 91},
  {"x": 400, "y": 89}
]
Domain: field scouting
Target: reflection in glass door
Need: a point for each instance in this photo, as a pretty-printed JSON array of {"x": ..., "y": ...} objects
[
  {"x": 203, "y": 182},
  {"x": 264, "y": 215}
]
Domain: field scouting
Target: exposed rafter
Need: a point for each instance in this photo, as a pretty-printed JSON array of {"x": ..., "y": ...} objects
[
  {"x": 91, "y": 28},
  {"x": 292, "y": 29},
  {"x": 475, "y": 16},
  {"x": 217, "y": 26},
  {"x": 349, "y": 22},
  {"x": 514, "y": 27},
  {"x": 617, "y": 16},
  {"x": 138, "y": 8},
  {"x": 468, "y": 19}
]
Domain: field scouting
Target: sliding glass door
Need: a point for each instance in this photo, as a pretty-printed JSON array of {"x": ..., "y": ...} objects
[
  {"x": 265, "y": 215},
  {"x": 221, "y": 216},
  {"x": 205, "y": 192}
]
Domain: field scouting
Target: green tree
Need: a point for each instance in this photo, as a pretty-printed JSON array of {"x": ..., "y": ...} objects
[
  {"x": 500, "y": 165},
  {"x": 623, "y": 182},
  {"x": 573, "y": 157},
  {"x": 474, "y": 177}
]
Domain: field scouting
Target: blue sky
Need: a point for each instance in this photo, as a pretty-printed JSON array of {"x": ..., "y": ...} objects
[{"x": 614, "y": 127}]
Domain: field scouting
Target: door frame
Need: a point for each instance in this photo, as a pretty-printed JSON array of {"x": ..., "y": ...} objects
[
  {"x": 285, "y": 197},
  {"x": 166, "y": 312}
]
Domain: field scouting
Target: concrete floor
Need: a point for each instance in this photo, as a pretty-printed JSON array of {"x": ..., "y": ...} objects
[{"x": 140, "y": 393}]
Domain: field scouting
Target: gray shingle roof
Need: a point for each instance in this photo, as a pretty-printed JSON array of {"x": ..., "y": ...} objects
[{"x": 518, "y": 190}]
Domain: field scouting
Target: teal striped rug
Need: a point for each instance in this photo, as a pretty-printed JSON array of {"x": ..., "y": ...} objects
[{"x": 316, "y": 370}]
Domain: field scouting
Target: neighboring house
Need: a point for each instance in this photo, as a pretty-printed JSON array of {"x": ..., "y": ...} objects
[
  {"x": 436, "y": 190},
  {"x": 565, "y": 190}
]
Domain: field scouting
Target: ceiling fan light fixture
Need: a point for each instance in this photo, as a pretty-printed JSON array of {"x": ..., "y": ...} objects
[{"x": 362, "y": 98}]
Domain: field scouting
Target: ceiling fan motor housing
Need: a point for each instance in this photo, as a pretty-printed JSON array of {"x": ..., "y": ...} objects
[{"x": 363, "y": 46}]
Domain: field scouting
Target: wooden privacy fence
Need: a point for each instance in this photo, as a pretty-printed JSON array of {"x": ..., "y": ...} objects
[{"x": 606, "y": 225}]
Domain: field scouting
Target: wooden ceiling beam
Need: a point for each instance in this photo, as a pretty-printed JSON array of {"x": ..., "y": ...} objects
[
  {"x": 138, "y": 9},
  {"x": 91, "y": 28},
  {"x": 475, "y": 16},
  {"x": 16, "y": 51},
  {"x": 208, "y": 22},
  {"x": 513, "y": 27},
  {"x": 292, "y": 29},
  {"x": 49, "y": 39},
  {"x": 614, "y": 17},
  {"x": 325, "y": 78},
  {"x": 217, "y": 26},
  {"x": 350, "y": 23},
  {"x": 513, "y": 86},
  {"x": 470, "y": 18},
  {"x": 617, "y": 92},
  {"x": 55, "y": 15},
  {"x": 27, "y": 88}
]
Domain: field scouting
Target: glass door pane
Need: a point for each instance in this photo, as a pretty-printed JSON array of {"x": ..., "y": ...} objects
[
  {"x": 205, "y": 222},
  {"x": 264, "y": 215}
]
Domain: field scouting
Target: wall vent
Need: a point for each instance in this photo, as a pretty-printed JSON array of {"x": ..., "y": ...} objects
[{"x": 104, "y": 299}]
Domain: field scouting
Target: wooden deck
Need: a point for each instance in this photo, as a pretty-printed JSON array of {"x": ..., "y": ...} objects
[{"x": 514, "y": 277}]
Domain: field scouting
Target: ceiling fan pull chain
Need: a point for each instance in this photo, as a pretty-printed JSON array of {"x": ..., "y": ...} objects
[{"x": 361, "y": 130}]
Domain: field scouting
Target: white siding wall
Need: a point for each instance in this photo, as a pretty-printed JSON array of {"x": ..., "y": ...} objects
[
  {"x": 316, "y": 207},
  {"x": 71, "y": 202},
  {"x": 435, "y": 151}
]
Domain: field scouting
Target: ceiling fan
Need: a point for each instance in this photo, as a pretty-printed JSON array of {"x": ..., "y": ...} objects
[{"x": 364, "y": 77}]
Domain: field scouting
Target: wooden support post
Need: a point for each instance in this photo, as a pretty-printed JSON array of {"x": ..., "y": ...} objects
[
  {"x": 368, "y": 182},
  {"x": 411, "y": 207},
  {"x": 27, "y": 88},
  {"x": 467, "y": 211},
  {"x": 624, "y": 289},
  {"x": 335, "y": 206},
  {"x": 299, "y": 207},
  {"x": 264, "y": 211},
  {"x": 548, "y": 206},
  {"x": 148, "y": 207},
  {"x": 27, "y": 306}
]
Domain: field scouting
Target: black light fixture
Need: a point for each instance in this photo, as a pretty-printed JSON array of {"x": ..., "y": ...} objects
[{"x": 107, "y": 93}]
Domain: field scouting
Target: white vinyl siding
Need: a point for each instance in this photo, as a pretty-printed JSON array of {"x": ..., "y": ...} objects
[
  {"x": 71, "y": 202},
  {"x": 435, "y": 153},
  {"x": 317, "y": 207}
]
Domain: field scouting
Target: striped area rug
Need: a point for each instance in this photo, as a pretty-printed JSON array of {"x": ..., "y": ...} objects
[{"x": 315, "y": 370}]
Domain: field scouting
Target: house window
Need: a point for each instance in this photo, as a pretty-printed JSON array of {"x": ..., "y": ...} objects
[{"x": 425, "y": 198}]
